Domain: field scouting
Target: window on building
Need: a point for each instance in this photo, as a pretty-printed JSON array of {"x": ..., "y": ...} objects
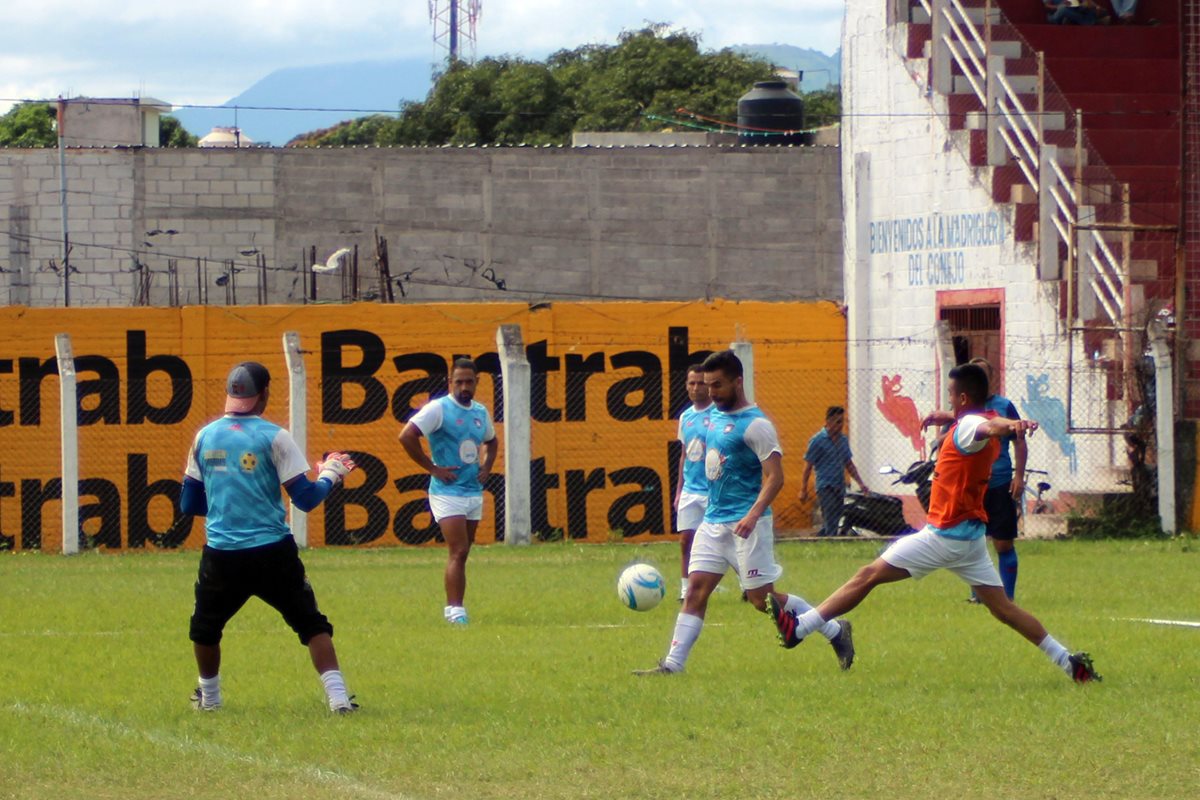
[{"x": 976, "y": 334}]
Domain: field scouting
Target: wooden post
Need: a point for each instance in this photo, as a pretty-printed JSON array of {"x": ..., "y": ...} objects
[
  {"x": 354, "y": 275},
  {"x": 312, "y": 260},
  {"x": 232, "y": 282},
  {"x": 386, "y": 273},
  {"x": 304, "y": 273},
  {"x": 262, "y": 282}
]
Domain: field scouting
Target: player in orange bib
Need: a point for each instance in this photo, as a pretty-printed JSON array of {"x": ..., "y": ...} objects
[{"x": 953, "y": 539}]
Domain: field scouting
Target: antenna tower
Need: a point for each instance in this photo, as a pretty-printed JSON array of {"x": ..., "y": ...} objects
[{"x": 454, "y": 23}]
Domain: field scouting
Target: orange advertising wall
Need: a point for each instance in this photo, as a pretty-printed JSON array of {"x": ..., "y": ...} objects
[{"x": 608, "y": 385}]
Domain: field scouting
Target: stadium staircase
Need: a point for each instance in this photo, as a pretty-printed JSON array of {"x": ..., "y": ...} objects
[{"x": 1084, "y": 140}]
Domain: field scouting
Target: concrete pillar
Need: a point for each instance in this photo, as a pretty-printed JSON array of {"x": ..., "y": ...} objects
[
  {"x": 745, "y": 353},
  {"x": 515, "y": 373},
  {"x": 297, "y": 420}
]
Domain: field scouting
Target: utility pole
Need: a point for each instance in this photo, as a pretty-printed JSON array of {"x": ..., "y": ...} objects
[
  {"x": 62, "y": 199},
  {"x": 454, "y": 24}
]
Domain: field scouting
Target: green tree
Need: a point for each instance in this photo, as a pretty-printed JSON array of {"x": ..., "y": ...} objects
[
  {"x": 171, "y": 133},
  {"x": 507, "y": 100},
  {"x": 29, "y": 125},
  {"x": 823, "y": 107}
]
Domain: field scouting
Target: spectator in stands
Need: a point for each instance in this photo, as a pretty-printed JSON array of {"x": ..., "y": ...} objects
[{"x": 1076, "y": 12}]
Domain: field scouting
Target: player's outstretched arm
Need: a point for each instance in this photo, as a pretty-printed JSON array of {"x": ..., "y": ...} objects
[
  {"x": 307, "y": 495},
  {"x": 999, "y": 427}
]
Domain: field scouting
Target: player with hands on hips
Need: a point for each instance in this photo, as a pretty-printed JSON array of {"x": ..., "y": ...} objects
[{"x": 459, "y": 430}]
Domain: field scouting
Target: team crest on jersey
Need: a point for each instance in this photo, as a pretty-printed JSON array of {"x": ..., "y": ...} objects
[
  {"x": 478, "y": 424},
  {"x": 728, "y": 428},
  {"x": 714, "y": 464},
  {"x": 248, "y": 462}
]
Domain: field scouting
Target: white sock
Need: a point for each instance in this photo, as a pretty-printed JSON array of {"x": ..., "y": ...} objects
[
  {"x": 335, "y": 688},
  {"x": 1057, "y": 653},
  {"x": 800, "y": 606},
  {"x": 687, "y": 631},
  {"x": 809, "y": 622},
  {"x": 446, "y": 611},
  {"x": 210, "y": 691}
]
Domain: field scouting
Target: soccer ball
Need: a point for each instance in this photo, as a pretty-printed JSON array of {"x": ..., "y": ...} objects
[{"x": 641, "y": 587}]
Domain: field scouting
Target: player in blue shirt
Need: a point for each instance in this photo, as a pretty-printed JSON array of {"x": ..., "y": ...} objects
[
  {"x": 457, "y": 428},
  {"x": 691, "y": 491},
  {"x": 234, "y": 470},
  {"x": 829, "y": 454},
  {"x": 1004, "y": 489},
  {"x": 744, "y": 466}
]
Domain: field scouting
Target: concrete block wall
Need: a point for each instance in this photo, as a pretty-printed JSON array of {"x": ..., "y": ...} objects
[{"x": 643, "y": 223}]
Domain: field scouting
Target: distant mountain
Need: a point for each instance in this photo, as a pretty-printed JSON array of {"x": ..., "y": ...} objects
[
  {"x": 366, "y": 85},
  {"x": 820, "y": 70}
]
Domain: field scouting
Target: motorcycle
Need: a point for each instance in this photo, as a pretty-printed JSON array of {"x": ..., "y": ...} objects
[{"x": 883, "y": 514}]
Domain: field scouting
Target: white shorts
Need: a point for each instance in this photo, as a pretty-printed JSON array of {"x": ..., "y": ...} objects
[
  {"x": 925, "y": 551},
  {"x": 690, "y": 513},
  {"x": 715, "y": 549},
  {"x": 451, "y": 505}
]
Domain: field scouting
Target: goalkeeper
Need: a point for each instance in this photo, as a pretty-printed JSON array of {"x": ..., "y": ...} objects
[{"x": 234, "y": 471}]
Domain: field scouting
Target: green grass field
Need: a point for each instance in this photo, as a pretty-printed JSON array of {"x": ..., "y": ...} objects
[{"x": 535, "y": 699}]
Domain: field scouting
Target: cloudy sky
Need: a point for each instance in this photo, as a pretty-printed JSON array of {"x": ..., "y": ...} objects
[{"x": 207, "y": 52}]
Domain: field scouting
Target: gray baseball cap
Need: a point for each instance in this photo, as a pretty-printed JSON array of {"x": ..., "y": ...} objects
[{"x": 245, "y": 383}]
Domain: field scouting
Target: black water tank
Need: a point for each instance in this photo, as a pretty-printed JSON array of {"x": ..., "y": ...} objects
[{"x": 771, "y": 106}]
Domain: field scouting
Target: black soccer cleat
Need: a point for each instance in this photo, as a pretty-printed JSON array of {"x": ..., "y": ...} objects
[
  {"x": 660, "y": 668},
  {"x": 843, "y": 644},
  {"x": 785, "y": 623},
  {"x": 1082, "y": 670}
]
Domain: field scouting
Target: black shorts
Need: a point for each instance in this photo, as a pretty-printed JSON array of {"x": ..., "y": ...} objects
[
  {"x": 273, "y": 572},
  {"x": 1002, "y": 513}
]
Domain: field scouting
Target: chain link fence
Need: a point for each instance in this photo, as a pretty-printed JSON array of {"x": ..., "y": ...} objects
[{"x": 604, "y": 406}]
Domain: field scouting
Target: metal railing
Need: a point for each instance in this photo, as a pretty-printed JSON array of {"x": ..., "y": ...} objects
[{"x": 1100, "y": 288}]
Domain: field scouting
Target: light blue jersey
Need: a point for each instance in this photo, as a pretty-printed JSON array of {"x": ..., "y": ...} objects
[
  {"x": 242, "y": 460},
  {"x": 693, "y": 433},
  {"x": 1002, "y": 469},
  {"x": 455, "y": 433},
  {"x": 738, "y": 442}
]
